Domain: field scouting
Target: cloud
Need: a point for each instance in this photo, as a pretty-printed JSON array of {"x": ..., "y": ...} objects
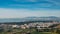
[
  {"x": 31, "y": 4},
  {"x": 32, "y": 0},
  {"x": 54, "y": 2},
  {"x": 26, "y": 0},
  {"x": 21, "y": 13}
]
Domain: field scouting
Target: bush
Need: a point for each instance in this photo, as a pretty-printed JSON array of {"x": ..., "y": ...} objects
[{"x": 58, "y": 31}]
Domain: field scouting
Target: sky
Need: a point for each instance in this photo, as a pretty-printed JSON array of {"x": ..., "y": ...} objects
[{"x": 29, "y": 8}]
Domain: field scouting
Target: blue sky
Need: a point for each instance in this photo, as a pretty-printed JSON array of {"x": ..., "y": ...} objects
[{"x": 27, "y": 8}]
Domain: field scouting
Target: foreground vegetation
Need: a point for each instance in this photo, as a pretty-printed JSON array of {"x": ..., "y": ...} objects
[{"x": 26, "y": 31}]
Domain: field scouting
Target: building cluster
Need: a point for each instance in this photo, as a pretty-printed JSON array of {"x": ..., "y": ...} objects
[{"x": 25, "y": 26}]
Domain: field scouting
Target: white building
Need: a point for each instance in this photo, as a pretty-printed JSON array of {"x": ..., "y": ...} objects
[{"x": 15, "y": 26}]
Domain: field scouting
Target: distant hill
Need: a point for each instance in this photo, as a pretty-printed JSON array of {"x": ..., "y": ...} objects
[{"x": 50, "y": 18}]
